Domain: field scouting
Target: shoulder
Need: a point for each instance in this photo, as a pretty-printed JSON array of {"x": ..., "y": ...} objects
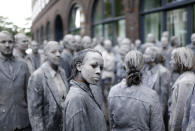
[
  {"x": 74, "y": 100},
  {"x": 38, "y": 74},
  {"x": 116, "y": 89},
  {"x": 149, "y": 95}
]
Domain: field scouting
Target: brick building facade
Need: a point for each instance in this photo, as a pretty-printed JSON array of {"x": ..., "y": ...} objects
[{"x": 139, "y": 17}]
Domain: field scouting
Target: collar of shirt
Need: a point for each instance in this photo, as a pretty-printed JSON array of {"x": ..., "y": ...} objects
[
  {"x": 52, "y": 71},
  {"x": 5, "y": 58},
  {"x": 82, "y": 85}
]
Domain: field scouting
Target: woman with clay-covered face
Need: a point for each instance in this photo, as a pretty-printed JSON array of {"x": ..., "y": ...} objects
[
  {"x": 131, "y": 105},
  {"x": 182, "y": 60},
  {"x": 82, "y": 111}
]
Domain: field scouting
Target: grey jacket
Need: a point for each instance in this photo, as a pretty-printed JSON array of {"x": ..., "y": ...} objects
[
  {"x": 134, "y": 108},
  {"x": 158, "y": 79},
  {"x": 82, "y": 111},
  {"x": 183, "y": 87},
  {"x": 13, "y": 104},
  {"x": 44, "y": 103}
]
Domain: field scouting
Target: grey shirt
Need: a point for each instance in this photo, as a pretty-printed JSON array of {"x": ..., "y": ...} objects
[
  {"x": 82, "y": 111},
  {"x": 134, "y": 108}
]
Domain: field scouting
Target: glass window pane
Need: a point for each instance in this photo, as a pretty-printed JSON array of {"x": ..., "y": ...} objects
[
  {"x": 119, "y": 8},
  {"x": 194, "y": 21},
  {"x": 107, "y": 9},
  {"x": 77, "y": 19},
  {"x": 108, "y": 31},
  {"x": 176, "y": 24},
  {"x": 120, "y": 29},
  {"x": 174, "y": 0},
  {"x": 153, "y": 24},
  {"x": 98, "y": 12},
  {"x": 98, "y": 31},
  {"x": 150, "y": 4},
  {"x": 76, "y": 32}
]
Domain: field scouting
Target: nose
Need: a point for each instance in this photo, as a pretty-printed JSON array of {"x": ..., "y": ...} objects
[
  {"x": 58, "y": 54},
  {"x": 98, "y": 70},
  {"x": 7, "y": 44}
]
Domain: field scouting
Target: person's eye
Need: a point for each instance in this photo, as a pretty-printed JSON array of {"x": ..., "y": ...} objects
[
  {"x": 94, "y": 65},
  {"x": 101, "y": 67},
  {"x": 10, "y": 41},
  {"x": 53, "y": 52}
]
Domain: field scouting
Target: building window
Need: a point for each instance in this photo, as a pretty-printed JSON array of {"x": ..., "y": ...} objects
[
  {"x": 153, "y": 24},
  {"x": 194, "y": 19},
  {"x": 109, "y": 19},
  {"x": 42, "y": 34},
  {"x": 77, "y": 20},
  {"x": 150, "y": 4},
  {"x": 174, "y": 16},
  {"x": 59, "y": 32},
  {"x": 48, "y": 31},
  {"x": 176, "y": 24}
]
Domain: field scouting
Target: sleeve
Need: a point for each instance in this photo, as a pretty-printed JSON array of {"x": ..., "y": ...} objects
[
  {"x": 30, "y": 67},
  {"x": 35, "y": 103},
  {"x": 165, "y": 90},
  {"x": 156, "y": 119},
  {"x": 27, "y": 75}
]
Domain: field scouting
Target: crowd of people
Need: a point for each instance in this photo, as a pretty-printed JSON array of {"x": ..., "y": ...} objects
[{"x": 91, "y": 84}]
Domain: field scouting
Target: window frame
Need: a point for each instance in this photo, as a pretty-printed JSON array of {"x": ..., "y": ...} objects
[
  {"x": 104, "y": 20},
  {"x": 165, "y": 7}
]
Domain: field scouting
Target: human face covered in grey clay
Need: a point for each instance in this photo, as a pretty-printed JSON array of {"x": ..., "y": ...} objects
[
  {"x": 164, "y": 42},
  {"x": 173, "y": 63},
  {"x": 193, "y": 39},
  {"x": 108, "y": 45},
  {"x": 6, "y": 44},
  {"x": 34, "y": 47},
  {"x": 149, "y": 56},
  {"x": 53, "y": 53},
  {"x": 22, "y": 41},
  {"x": 91, "y": 67}
]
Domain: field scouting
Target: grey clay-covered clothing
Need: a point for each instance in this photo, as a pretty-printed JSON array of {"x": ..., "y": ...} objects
[
  {"x": 82, "y": 111},
  {"x": 44, "y": 102},
  {"x": 13, "y": 103},
  {"x": 158, "y": 79},
  {"x": 183, "y": 87},
  {"x": 134, "y": 108}
]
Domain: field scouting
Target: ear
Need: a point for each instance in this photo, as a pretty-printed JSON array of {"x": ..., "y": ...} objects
[{"x": 79, "y": 66}]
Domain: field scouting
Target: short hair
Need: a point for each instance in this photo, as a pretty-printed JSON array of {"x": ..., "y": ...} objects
[
  {"x": 78, "y": 58},
  {"x": 157, "y": 54},
  {"x": 184, "y": 58},
  {"x": 19, "y": 35},
  {"x": 7, "y": 33},
  {"x": 49, "y": 45},
  {"x": 134, "y": 62}
]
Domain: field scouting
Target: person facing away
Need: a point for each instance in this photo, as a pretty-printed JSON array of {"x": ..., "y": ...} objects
[
  {"x": 82, "y": 111},
  {"x": 14, "y": 76},
  {"x": 182, "y": 60},
  {"x": 47, "y": 90},
  {"x": 131, "y": 105}
]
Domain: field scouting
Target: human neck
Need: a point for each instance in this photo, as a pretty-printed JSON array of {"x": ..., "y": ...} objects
[
  {"x": 54, "y": 67},
  {"x": 79, "y": 78}
]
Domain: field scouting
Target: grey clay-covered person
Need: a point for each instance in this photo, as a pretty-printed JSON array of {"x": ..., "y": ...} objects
[
  {"x": 182, "y": 60},
  {"x": 82, "y": 110},
  {"x": 131, "y": 105},
  {"x": 14, "y": 76},
  {"x": 47, "y": 90}
]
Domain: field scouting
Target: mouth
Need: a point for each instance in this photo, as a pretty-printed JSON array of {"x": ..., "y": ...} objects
[{"x": 96, "y": 78}]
